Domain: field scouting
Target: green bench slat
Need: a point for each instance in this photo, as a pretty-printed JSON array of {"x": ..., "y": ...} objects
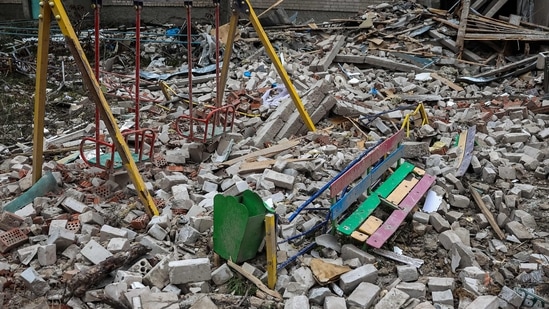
[{"x": 365, "y": 209}]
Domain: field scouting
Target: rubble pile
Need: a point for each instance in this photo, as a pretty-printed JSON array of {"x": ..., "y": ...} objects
[{"x": 479, "y": 239}]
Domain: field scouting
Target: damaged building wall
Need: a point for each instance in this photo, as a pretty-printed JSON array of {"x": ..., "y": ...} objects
[
  {"x": 321, "y": 5},
  {"x": 162, "y": 11}
]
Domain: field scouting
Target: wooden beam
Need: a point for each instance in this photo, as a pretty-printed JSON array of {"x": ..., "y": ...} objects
[
  {"x": 264, "y": 152},
  {"x": 478, "y": 4},
  {"x": 451, "y": 44},
  {"x": 254, "y": 280},
  {"x": 508, "y": 67},
  {"x": 465, "y": 5},
  {"x": 495, "y": 8},
  {"x": 486, "y": 212},
  {"x": 507, "y": 37},
  {"x": 447, "y": 82}
]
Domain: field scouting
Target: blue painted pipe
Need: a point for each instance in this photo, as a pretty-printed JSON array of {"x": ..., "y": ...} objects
[{"x": 329, "y": 183}]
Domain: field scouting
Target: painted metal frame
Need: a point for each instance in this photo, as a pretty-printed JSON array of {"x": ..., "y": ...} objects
[{"x": 55, "y": 9}]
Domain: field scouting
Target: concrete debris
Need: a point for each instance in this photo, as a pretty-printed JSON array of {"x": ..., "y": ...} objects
[{"x": 478, "y": 240}]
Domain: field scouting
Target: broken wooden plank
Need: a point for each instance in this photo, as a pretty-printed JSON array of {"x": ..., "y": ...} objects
[
  {"x": 327, "y": 60},
  {"x": 380, "y": 62},
  {"x": 451, "y": 44},
  {"x": 264, "y": 152},
  {"x": 486, "y": 212},
  {"x": 478, "y": 4},
  {"x": 248, "y": 167},
  {"x": 260, "y": 285},
  {"x": 540, "y": 36},
  {"x": 525, "y": 23},
  {"x": 508, "y": 67},
  {"x": 393, "y": 65},
  {"x": 460, "y": 41},
  {"x": 447, "y": 82},
  {"x": 496, "y": 6}
]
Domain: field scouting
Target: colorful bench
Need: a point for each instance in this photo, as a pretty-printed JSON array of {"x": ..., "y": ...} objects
[{"x": 401, "y": 191}]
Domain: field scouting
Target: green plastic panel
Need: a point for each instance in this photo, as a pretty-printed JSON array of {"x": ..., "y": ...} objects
[
  {"x": 365, "y": 209},
  {"x": 239, "y": 226}
]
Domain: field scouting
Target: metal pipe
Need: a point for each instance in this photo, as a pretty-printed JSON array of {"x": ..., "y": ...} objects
[
  {"x": 96, "y": 18},
  {"x": 138, "y": 6},
  {"x": 188, "y": 5}
]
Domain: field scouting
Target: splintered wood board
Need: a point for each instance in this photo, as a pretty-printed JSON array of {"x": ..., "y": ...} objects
[{"x": 264, "y": 152}]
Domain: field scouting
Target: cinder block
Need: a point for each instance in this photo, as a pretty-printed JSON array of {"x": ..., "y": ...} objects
[
  {"x": 485, "y": 302},
  {"x": 395, "y": 298},
  {"x": 364, "y": 295},
  {"x": 440, "y": 284},
  {"x": 443, "y": 297},
  {"x": 414, "y": 289},
  {"x": 448, "y": 239},
  {"x": 193, "y": 270},
  {"x": 334, "y": 302},
  {"x": 222, "y": 274},
  {"x": 74, "y": 205},
  {"x": 349, "y": 251},
  {"x": 116, "y": 245},
  {"x": 350, "y": 280},
  {"x": 159, "y": 275},
  {"x": 91, "y": 217},
  {"x": 9, "y": 221},
  {"x": 34, "y": 282},
  {"x": 407, "y": 273},
  {"x": 107, "y": 232},
  {"x": 47, "y": 255},
  {"x": 62, "y": 239},
  {"x": 297, "y": 302},
  {"x": 438, "y": 222},
  {"x": 56, "y": 225},
  {"x": 94, "y": 252},
  {"x": 157, "y": 232},
  {"x": 279, "y": 179},
  {"x": 511, "y": 297}
]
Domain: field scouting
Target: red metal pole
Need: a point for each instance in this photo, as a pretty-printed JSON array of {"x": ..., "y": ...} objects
[
  {"x": 96, "y": 18},
  {"x": 188, "y": 5},
  {"x": 138, "y": 6},
  {"x": 217, "y": 70}
]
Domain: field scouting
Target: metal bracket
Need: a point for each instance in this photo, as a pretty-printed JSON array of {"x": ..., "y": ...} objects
[
  {"x": 138, "y": 4},
  {"x": 188, "y": 3},
  {"x": 216, "y": 2},
  {"x": 97, "y": 3},
  {"x": 241, "y": 6}
]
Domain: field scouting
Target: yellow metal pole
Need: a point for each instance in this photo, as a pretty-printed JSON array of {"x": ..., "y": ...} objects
[
  {"x": 270, "y": 245},
  {"x": 40, "y": 91},
  {"x": 279, "y": 67},
  {"x": 99, "y": 99},
  {"x": 233, "y": 24}
]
